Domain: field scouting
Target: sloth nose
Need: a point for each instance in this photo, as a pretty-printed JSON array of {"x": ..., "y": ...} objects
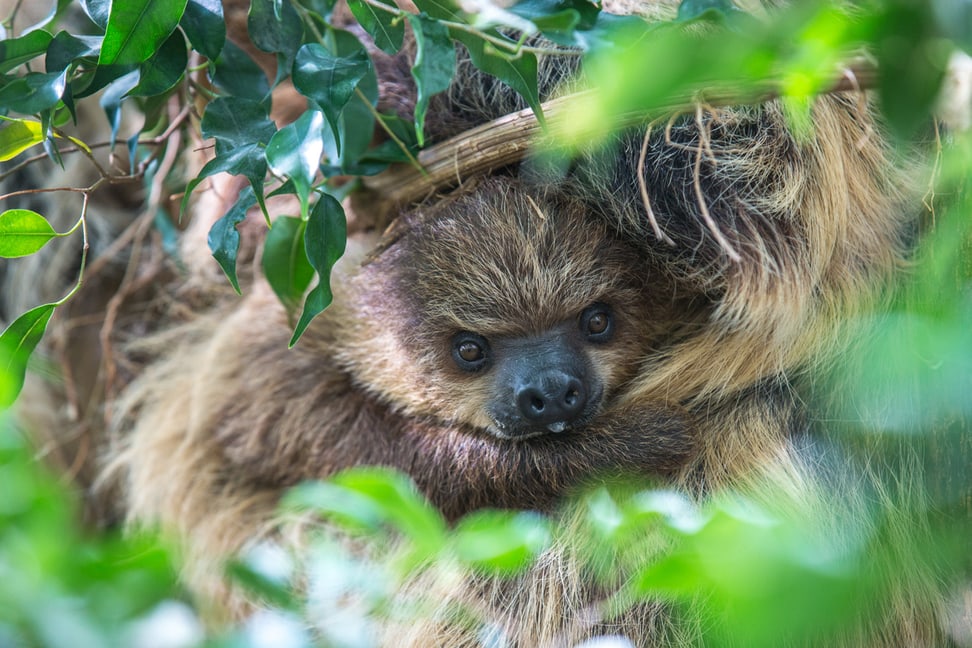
[{"x": 552, "y": 400}]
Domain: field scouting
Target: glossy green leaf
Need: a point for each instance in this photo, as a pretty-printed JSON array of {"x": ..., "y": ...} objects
[
  {"x": 356, "y": 123},
  {"x": 328, "y": 79},
  {"x": 440, "y": 9},
  {"x": 285, "y": 261},
  {"x": 18, "y": 135},
  {"x": 164, "y": 69},
  {"x": 15, "y": 51},
  {"x": 518, "y": 73},
  {"x": 224, "y": 238},
  {"x": 204, "y": 26},
  {"x": 17, "y": 342},
  {"x": 434, "y": 67},
  {"x": 33, "y": 93},
  {"x": 23, "y": 232},
  {"x": 235, "y": 121},
  {"x": 503, "y": 542},
  {"x": 97, "y": 10},
  {"x": 67, "y": 48},
  {"x": 294, "y": 152},
  {"x": 324, "y": 241},
  {"x": 137, "y": 28},
  {"x": 237, "y": 74},
  {"x": 245, "y": 160},
  {"x": 111, "y": 100},
  {"x": 385, "y": 27},
  {"x": 274, "y": 26}
]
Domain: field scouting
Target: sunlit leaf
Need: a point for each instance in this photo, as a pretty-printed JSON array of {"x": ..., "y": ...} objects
[
  {"x": 137, "y": 28},
  {"x": 285, "y": 264},
  {"x": 164, "y": 69},
  {"x": 18, "y": 135},
  {"x": 204, "y": 26},
  {"x": 17, "y": 342},
  {"x": 434, "y": 67},
  {"x": 328, "y": 79},
  {"x": 324, "y": 240},
  {"x": 15, "y": 51},
  {"x": 23, "y": 232},
  {"x": 294, "y": 152},
  {"x": 500, "y": 541},
  {"x": 224, "y": 238},
  {"x": 385, "y": 27}
]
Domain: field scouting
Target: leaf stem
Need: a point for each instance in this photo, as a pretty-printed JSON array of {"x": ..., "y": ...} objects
[
  {"x": 82, "y": 221},
  {"x": 388, "y": 131}
]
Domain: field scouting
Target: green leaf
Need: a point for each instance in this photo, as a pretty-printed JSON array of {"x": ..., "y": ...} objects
[
  {"x": 285, "y": 261},
  {"x": 98, "y": 11},
  {"x": 911, "y": 65},
  {"x": 237, "y": 74},
  {"x": 23, "y": 232},
  {"x": 111, "y": 100},
  {"x": 204, "y": 27},
  {"x": 235, "y": 121},
  {"x": 399, "y": 503},
  {"x": 17, "y": 342},
  {"x": 440, "y": 9},
  {"x": 324, "y": 241},
  {"x": 435, "y": 65},
  {"x": 15, "y": 51},
  {"x": 356, "y": 123},
  {"x": 17, "y": 136},
  {"x": 295, "y": 153},
  {"x": 33, "y": 93},
  {"x": 385, "y": 27},
  {"x": 137, "y": 28},
  {"x": 275, "y": 27},
  {"x": 224, "y": 238},
  {"x": 518, "y": 73},
  {"x": 244, "y": 160},
  {"x": 67, "y": 48},
  {"x": 500, "y": 541},
  {"x": 164, "y": 69},
  {"x": 329, "y": 80}
]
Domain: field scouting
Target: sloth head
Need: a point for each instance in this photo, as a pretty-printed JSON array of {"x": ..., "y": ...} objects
[{"x": 503, "y": 309}]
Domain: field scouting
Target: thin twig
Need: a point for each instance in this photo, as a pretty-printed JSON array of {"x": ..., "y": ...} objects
[{"x": 643, "y": 187}]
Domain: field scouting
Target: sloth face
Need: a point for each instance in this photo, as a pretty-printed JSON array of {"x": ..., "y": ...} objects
[
  {"x": 508, "y": 310},
  {"x": 544, "y": 383}
]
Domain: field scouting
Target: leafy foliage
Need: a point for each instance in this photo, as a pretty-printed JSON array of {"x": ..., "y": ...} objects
[{"x": 60, "y": 588}]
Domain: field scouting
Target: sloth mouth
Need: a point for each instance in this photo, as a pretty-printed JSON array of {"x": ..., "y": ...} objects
[{"x": 513, "y": 428}]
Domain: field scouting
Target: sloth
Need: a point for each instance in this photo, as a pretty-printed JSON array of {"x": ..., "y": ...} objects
[
  {"x": 529, "y": 335},
  {"x": 483, "y": 353}
]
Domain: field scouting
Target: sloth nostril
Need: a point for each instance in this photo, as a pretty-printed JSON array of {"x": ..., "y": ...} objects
[
  {"x": 537, "y": 404},
  {"x": 571, "y": 397}
]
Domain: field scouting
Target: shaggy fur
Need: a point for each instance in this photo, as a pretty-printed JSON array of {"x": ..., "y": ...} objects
[{"x": 702, "y": 380}]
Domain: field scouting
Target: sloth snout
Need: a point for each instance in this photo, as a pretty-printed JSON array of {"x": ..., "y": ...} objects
[{"x": 552, "y": 400}]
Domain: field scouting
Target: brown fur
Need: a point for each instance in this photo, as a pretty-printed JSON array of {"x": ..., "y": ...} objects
[{"x": 705, "y": 390}]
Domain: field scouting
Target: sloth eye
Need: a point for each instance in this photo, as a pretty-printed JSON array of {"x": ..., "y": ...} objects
[
  {"x": 597, "y": 323},
  {"x": 470, "y": 351}
]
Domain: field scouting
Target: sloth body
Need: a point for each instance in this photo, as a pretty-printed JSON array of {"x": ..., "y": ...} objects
[
  {"x": 484, "y": 353},
  {"x": 428, "y": 360}
]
